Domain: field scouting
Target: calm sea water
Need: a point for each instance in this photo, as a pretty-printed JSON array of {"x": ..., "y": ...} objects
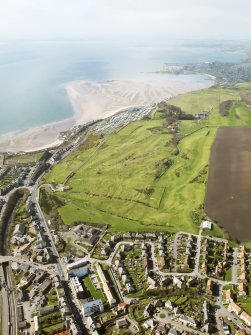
[{"x": 32, "y": 74}]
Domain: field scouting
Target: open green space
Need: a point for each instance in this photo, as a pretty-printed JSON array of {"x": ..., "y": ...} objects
[
  {"x": 53, "y": 329},
  {"x": 96, "y": 294},
  {"x": 32, "y": 157},
  {"x": 245, "y": 301},
  {"x": 52, "y": 298},
  {"x": 8, "y": 178},
  {"x": 18, "y": 277},
  {"x": 140, "y": 178},
  {"x": 228, "y": 274},
  {"x": 51, "y": 323}
]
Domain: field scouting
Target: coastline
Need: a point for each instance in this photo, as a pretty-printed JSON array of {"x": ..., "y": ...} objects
[{"x": 99, "y": 100}]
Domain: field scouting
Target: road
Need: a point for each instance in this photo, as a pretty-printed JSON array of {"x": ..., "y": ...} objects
[
  {"x": 44, "y": 224},
  {"x": 7, "y": 196},
  {"x": 220, "y": 312},
  {"x": 113, "y": 253},
  {"x": 175, "y": 252},
  {"x": 223, "y": 312},
  {"x": 219, "y": 324},
  {"x": 175, "y": 246},
  {"x": 235, "y": 266},
  {"x": 109, "y": 263},
  {"x": 177, "y": 324},
  {"x": 154, "y": 260},
  {"x": 197, "y": 258},
  {"x": 50, "y": 268}
]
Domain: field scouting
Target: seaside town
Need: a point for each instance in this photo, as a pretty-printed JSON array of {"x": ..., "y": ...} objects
[
  {"x": 226, "y": 73},
  {"x": 87, "y": 280},
  {"x": 125, "y": 179}
]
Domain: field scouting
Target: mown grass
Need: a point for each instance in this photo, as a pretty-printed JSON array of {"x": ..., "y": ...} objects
[
  {"x": 245, "y": 302},
  {"x": 32, "y": 157},
  {"x": 96, "y": 294},
  {"x": 136, "y": 182}
]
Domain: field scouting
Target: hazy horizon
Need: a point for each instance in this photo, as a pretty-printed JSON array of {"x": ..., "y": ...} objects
[
  {"x": 139, "y": 20},
  {"x": 45, "y": 44},
  {"x": 33, "y": 74}
]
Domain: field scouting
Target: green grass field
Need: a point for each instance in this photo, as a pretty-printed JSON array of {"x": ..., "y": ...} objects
[
  {"x": 32, "y": 157},
  {"x": 245, "y": 302},
  {"x": 96, "y": 294},
  {"x": 136, "y": 182}
]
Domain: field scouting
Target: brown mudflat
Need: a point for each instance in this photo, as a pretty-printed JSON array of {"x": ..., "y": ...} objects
[{"x": 228, "y": 198}]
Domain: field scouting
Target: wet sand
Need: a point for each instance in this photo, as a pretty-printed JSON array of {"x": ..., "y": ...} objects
[
  {"x": 96, "y": 100},
  {"x": 229, "y": 182}
]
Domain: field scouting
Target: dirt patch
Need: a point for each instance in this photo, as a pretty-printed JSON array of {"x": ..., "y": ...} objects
[
  {"x": 229, "y": 182},
  {"x": 246, "y": 97}
]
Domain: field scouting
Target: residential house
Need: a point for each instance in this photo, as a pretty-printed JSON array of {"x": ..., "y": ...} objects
[
  {"x": 176, "y": 311},
  {"x": 206, "y": 225},
  {"x": 122, "y": 323},
  {"x": 77, "y": 287},
  {"x": 242, "y": 289},
  {"x": 206, "y": 311},
  {"x": 92, "y": 307},
  {"x": 162, "y": 262},
  {"x": 188, "y": 321},
  {"x": 246, "y": 318},
  {"x": 149, "y": 310},
  {"x": 172, "y": 331},
  {"x": 169, "y": 304},
  {"x": 210, "y": 287},
  {"x": 233, "y": 307},
  {"x": 229, "y": 296},
  {"x": 129, "y": 288},
  {"x": 149, "y": 324},
  {"x": 192, "y": 282},
  {"x": 45, "y": 286},
  {"x": 19, "y": 230},
  {"x": 151, "y": 281},
  {"x": 177, "y": 282}
]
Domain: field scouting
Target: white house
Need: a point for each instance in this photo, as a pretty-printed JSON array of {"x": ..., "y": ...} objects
[{"x": 206, "y": 225}]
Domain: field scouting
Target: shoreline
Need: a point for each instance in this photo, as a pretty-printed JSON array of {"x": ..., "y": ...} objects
[{"x": 99, "y": 100}]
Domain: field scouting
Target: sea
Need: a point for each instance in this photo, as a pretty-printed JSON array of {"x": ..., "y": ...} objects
[{"x": 33, "y": 73}]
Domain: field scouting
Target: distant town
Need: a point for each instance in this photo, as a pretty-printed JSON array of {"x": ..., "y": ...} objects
[{"x": 225, "y": 73}]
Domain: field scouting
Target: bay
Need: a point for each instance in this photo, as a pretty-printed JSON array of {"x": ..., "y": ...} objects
[{"x": 33, "y": 73}]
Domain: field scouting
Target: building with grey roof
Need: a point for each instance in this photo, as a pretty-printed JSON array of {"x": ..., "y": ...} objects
[{"x": 92, "y": 307}]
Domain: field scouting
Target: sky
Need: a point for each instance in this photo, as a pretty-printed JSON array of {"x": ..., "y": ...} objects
[{"x": 101, "y": 19}]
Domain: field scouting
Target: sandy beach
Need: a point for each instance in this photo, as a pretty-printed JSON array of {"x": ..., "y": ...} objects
[{"x": 96, "y": 100}]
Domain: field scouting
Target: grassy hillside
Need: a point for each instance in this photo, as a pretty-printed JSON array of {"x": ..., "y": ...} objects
[{"x": 137, "y": 180}]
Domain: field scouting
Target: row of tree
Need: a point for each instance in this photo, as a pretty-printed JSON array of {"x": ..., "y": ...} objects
[
  {"x": 173, "y": 113},
  {"x": 7, "y": 215}
]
